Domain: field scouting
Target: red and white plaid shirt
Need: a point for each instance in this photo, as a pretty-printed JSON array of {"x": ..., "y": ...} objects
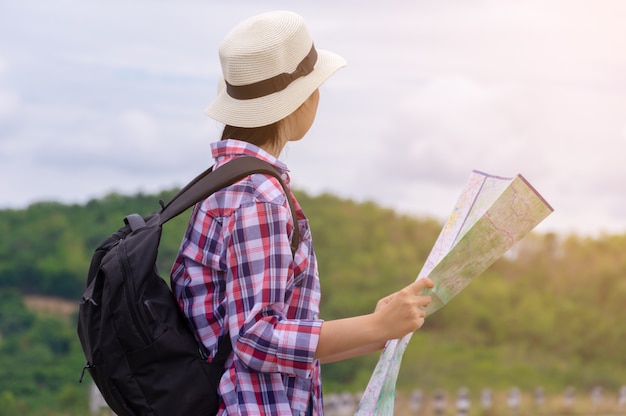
[{"x": 235, "y": 273}]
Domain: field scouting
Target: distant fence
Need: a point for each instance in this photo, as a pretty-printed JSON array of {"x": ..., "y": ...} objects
[{"x": 513, "y": 402}]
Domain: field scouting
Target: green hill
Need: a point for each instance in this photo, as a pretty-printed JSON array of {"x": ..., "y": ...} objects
[{"x": 550, "y": 314}]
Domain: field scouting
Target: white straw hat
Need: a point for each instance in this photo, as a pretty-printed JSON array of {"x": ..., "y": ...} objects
[{"x": 270, "y": 67}]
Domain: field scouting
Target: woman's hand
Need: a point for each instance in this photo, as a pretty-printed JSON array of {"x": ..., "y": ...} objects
[{"x": 404, "y": 311}]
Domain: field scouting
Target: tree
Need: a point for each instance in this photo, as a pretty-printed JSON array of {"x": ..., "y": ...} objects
[{"x": 14, "y": 317}]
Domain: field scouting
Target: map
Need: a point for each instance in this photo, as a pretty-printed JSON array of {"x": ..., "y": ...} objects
[{"x": 490, "y": 216}]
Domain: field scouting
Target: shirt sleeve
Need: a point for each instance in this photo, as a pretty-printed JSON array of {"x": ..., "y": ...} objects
[{"x": 259, "y": 285}]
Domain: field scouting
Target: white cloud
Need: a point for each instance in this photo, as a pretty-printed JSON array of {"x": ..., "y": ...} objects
[
  {"x": 9, "y": 98},
  {"x": 8, "y": 103},
  {"x": 114, "y": 99}
]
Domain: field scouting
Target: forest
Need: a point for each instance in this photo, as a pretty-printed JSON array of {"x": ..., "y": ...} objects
[{"x": 550, "y": 313}]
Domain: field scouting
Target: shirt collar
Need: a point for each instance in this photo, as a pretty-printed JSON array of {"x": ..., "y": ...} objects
[{"x": 226, "y": 150}]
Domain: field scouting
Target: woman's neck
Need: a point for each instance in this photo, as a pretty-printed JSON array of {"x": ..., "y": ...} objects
[{"x": 276, "y": 148}]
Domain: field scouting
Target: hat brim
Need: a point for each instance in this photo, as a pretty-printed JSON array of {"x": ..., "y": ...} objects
[{"x": 269, "y": 109}]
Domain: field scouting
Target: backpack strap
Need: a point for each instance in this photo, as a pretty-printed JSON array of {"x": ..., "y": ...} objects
[
  {"x": 223, "y": 351},
  {"x": 211, "y": 181}
]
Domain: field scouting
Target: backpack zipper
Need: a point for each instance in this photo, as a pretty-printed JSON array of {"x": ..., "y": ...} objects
[
  {"x": 130, "y": 287},
  {"x": 87, "y": 366}
]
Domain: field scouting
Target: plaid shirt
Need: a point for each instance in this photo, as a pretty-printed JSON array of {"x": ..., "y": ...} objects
[{"x": 235, "y": 274}]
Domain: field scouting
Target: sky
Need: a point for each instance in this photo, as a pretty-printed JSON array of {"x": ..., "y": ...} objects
[{"x": 101, "y": 96}]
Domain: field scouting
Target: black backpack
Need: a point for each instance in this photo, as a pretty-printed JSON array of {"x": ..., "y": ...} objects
[{"x": 140, "y": 350}]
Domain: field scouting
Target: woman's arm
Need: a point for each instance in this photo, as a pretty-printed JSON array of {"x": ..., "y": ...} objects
[
  {"x": 357, "y": 352},
  {"x": 394, "y": 317}
]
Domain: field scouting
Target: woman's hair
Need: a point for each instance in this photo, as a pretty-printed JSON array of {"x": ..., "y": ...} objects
[{"x": 264, "y": 136}]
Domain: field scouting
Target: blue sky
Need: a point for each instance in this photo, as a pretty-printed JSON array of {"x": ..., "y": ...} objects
[{"x": 99, "y": 96}]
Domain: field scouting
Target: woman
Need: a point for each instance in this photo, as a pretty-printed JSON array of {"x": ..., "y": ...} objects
[{"x": 235, "y": 274}]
